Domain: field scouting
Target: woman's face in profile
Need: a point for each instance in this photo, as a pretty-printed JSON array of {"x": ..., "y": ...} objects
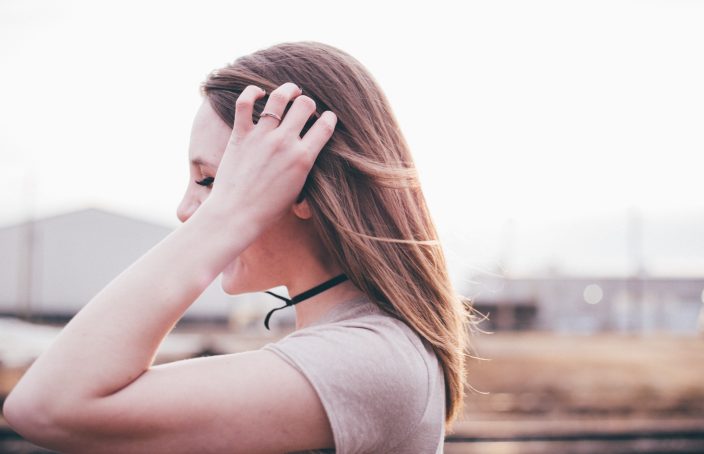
[{"x": 259, "y": 266}]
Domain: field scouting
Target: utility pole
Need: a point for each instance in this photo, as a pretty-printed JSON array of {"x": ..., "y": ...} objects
[
  {"x": 508, "y": 244},
  {"x": 635, "y": 251},
  {"x": 26, "y": 269}
]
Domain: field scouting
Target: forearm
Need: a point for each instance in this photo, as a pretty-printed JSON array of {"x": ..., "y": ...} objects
[{"x": 115, "y": 337}]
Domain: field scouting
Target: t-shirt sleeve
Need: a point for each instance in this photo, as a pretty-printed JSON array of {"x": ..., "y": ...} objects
[{"x": 370, "y": 378}]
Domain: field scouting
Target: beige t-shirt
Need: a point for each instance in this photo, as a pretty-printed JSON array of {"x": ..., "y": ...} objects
[{"x": 381, "y": 385}]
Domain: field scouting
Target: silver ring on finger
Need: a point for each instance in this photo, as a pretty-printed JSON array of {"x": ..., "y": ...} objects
[{"x": 269, "y": 114}]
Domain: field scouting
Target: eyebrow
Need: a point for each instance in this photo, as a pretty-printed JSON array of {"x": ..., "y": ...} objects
[{"x": 200, "y": 162}]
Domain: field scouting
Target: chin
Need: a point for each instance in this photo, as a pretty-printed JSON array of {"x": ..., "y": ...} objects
[{"x": 234, "y": 280}]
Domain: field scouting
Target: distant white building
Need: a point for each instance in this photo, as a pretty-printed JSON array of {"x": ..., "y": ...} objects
[
  {"x": 51, "y": 267},
  {"x": 591, "y": 304}
]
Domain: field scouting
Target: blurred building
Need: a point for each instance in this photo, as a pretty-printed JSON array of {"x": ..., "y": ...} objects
[
  {"x": 52, "y": 267},
  {"x": 591, "y": 304}
]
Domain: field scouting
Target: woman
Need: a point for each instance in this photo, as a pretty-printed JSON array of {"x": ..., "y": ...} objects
[{"x": 321, "y": 196}]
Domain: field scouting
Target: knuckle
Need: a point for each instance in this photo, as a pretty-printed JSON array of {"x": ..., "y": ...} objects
[
  {"x": 243, "y": 102},
  {"x": 305, "y": 150},
  {"x": 300, "y": 162},
  {"x": 289, "y": 85},
  {"x": 279, "y": 96},
  {"x": 251, "y": 87},
  {"x": 277, "y": 138},
  {"x": 326, "y": 125},
  {"x": 307, "y": 102}
]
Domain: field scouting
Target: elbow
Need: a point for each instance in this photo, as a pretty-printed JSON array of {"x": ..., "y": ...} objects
[
  {"x": 21, "y": 414},
  {"x": 32, "y": 420}
]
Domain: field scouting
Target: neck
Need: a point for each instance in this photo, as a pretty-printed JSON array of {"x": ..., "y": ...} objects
[
  {"x": 312, "y": 309},
  {"x": 313, "y": 265}
]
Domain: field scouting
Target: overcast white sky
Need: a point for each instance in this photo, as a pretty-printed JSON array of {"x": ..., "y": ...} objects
[{"x": 543, "y": 112}]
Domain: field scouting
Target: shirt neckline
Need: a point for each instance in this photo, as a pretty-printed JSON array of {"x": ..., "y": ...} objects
[{"x": 333, "y": 314}]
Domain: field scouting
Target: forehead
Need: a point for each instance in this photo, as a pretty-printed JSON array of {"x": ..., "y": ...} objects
[{"x": 209, "y": 135}]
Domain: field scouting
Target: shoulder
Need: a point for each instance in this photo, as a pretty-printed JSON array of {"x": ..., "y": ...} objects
[
  {"x": 371, "y": 374},
  {"x": 372, "y": 346}
]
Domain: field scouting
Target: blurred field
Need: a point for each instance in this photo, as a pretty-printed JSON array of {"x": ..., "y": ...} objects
[
  {"x": 582, "y": 394},
  {"x": 548, "y": 392},
  {"x": 606, "y": 375}
]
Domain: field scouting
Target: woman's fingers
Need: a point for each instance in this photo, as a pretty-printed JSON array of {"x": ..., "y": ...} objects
[
  {"x": 276, "y": 104},
  {"x": 297, "y": 116},
  {"x": 243, "y": 109},
  {"x": 319, "y": 134}
]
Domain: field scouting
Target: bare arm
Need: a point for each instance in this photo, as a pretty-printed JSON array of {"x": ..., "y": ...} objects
[
  {"x": 94, "y": 385},
  {"x": 114, "y": 338}
]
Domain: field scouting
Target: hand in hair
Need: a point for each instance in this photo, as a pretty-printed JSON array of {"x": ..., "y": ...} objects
[{"x": 265, "y": 165}]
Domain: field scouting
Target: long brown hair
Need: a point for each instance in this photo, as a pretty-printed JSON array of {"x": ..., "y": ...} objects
[{"x": 364, "y": 191}]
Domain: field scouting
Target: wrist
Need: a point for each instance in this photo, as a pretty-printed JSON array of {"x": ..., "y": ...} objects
[{"x": 231, "y": 232}]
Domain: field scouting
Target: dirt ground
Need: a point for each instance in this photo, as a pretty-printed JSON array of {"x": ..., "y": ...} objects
[{"x": 604, "y": 375}]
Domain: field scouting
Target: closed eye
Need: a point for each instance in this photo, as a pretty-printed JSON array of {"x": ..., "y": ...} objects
[{"x": 207, "y": 181}]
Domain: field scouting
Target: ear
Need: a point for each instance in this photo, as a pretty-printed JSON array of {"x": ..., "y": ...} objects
[{"x": 302, "y": 209}]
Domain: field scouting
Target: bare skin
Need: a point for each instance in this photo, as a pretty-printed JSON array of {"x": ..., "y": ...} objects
[
  {"x": 95, "y": 388},
  {"x": 288, "y": 252}
]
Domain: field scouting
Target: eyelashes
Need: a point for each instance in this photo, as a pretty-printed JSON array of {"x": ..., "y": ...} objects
[{"x": 207, "y": 181}]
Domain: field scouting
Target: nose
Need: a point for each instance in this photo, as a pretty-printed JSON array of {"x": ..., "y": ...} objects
[{"x": 187, "y": 207}]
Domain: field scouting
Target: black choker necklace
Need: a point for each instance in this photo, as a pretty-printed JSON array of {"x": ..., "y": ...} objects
[{"x": 305, "y": 295}]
